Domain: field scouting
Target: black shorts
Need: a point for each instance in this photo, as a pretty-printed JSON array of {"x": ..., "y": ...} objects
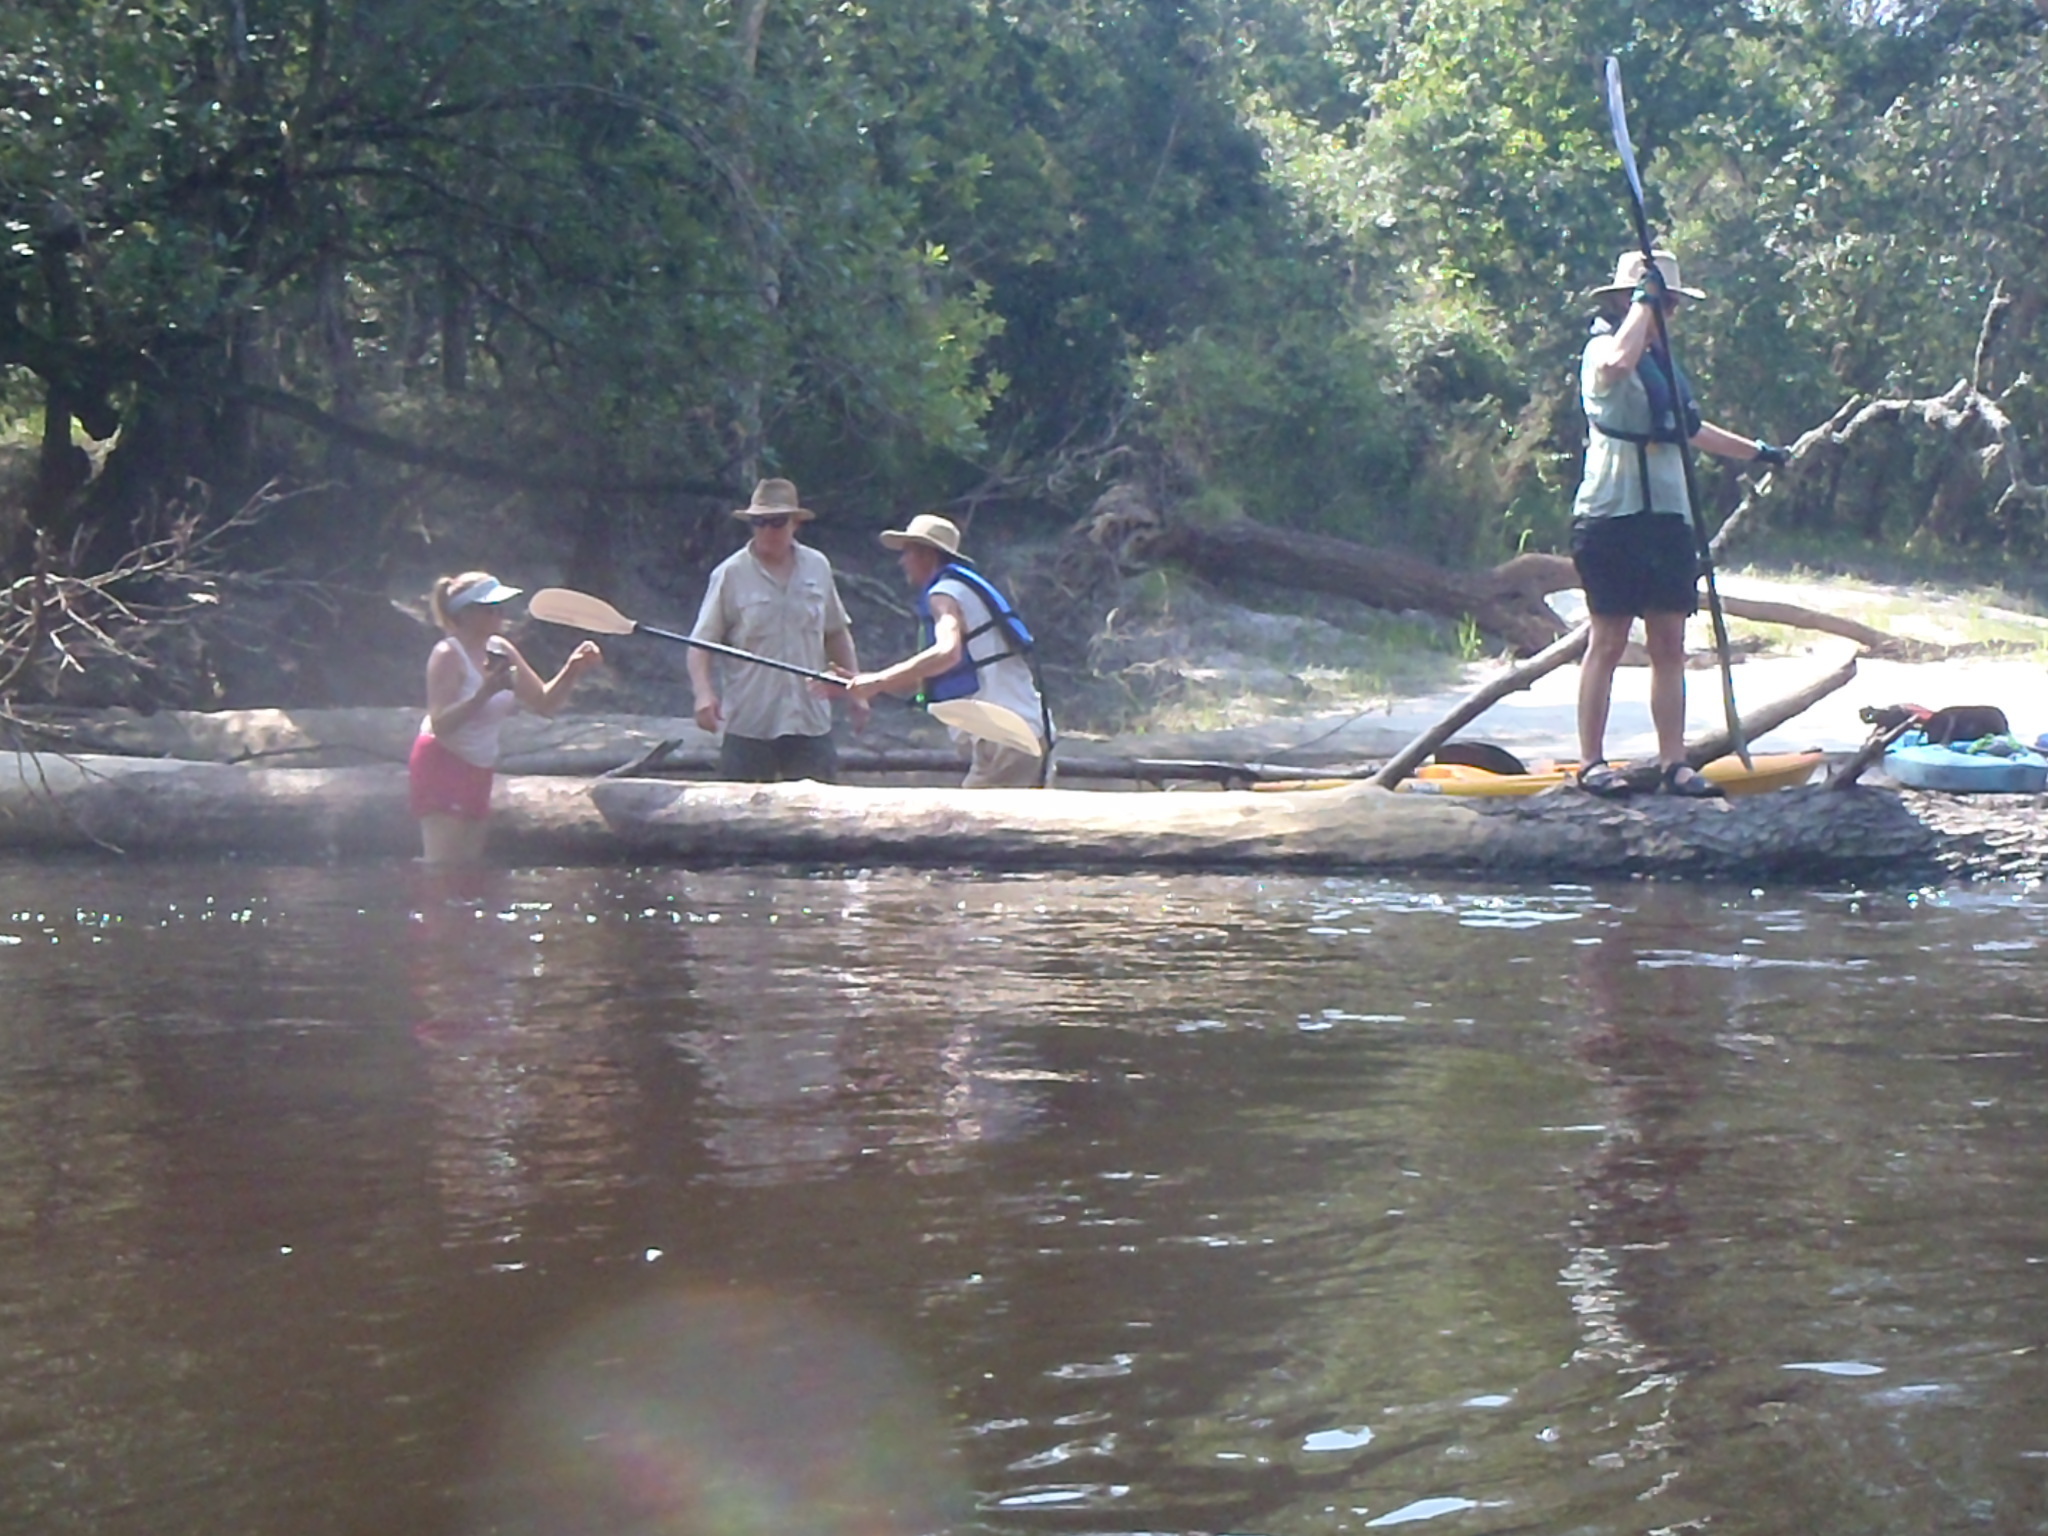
[
  {"x": 752, "y": 760},
  {"x": 1643, "y": 563}
]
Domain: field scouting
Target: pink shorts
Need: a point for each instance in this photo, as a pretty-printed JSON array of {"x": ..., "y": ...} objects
[{"x": 443, "y": 784}]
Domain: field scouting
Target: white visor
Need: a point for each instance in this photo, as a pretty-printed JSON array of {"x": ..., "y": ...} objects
[{"x": 487, "y": 590}]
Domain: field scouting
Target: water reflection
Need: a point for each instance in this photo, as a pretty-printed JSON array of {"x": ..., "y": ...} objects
[
  {"x": 527, "y": 1100},
  {"x": 1231, "y": 1204},
  {"x": 826, "y": 1024},
  {"x": 1644, "y": 1039}
]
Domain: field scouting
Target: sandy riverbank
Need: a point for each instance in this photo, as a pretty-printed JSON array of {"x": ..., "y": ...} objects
[{"x": 1540, "y": 722}]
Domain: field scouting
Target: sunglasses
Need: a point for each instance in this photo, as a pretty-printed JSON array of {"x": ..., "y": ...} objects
[{"x": 776, "y": 520}]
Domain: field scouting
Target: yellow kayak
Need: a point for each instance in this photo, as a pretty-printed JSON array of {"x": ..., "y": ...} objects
[{"x": 1772, "y": 770}]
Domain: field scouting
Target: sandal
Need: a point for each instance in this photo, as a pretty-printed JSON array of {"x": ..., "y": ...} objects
[
  {"x": 1602, "y": 778},
  {"x": 1687, "y": 782}
]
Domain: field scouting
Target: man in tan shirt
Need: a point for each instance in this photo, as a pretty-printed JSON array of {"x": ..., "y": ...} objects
[{"x": 775, "y": 598}]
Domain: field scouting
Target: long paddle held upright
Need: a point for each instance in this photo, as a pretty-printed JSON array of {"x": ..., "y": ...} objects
[
  {"x": 1617, "y": 117},
  {"x": 579, "y": 610}
]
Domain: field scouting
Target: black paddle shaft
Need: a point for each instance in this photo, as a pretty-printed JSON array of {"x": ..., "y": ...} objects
[
  {"x": 737, "y": 654},
  {"x": 1668, "y": 365}
]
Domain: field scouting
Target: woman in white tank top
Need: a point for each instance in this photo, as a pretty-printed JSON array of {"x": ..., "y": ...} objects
[{"x": 476, "y": 680}]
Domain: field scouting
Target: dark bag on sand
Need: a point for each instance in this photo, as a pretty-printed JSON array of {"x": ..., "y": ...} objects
[{"x": 1965, "y": 722}]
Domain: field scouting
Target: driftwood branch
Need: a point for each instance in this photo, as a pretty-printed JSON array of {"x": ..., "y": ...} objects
[
  {"x": 60, "y": 616},
  {"x": 1706, "y": 750},
  {"x": 1970, "y": 408},
  {"x": 1987, "y": 336},
  {"x": 1770, "y": 716},
  {"x": 1560, "y": 653},
  {"x": 1544, "y": 574},
  {"x": 1845, "y": 777}
]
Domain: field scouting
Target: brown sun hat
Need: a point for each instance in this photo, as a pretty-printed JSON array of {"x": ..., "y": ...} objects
[
  {"x": 1629, "y": 270},
  {"x": 774, "y": 498}
]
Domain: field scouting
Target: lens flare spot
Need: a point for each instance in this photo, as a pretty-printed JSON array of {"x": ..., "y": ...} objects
[{"x": 696, "y": 1415}]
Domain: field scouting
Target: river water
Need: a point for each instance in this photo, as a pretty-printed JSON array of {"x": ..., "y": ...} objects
[{"x": 578, "y": 1201}]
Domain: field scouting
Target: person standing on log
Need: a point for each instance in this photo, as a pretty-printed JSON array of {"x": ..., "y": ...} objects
[
  {"x": 476, "y": 681},
  {"x": 774, "y": 597},
  {"x": 975, "y": 647},
  {"x": 1633, "y": 534}
]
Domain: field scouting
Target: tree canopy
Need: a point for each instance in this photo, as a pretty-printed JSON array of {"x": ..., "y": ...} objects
[{"x": 1317, "y": 262}]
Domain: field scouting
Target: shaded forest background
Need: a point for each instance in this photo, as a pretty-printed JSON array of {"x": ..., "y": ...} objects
[{"x": 304, "y": 300}]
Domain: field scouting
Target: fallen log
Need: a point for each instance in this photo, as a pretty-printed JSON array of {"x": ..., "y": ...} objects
[
  {"x": 1508, "y": 602},
  {"x": 343, "y": 738},
  {"x": 858, "y": 763},
  {"x": 155, "y": 807},
  {"x": 1539, "y": 575},
  {"x": 1505, "y": 612},
  {"x": 1803, "y": 835},
  {"x": 134, "y": 807},
  {"x": 1229, "y": 775},
  {"x": 269, "y": 739}
]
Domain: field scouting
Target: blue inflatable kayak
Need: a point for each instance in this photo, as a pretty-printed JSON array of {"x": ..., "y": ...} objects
[{"x": 1993, "y": 766}]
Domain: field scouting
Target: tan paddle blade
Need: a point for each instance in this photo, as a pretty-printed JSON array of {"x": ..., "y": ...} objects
[
  {"x": 989, "y": 722},
  {"x": 578, "y": 610}
]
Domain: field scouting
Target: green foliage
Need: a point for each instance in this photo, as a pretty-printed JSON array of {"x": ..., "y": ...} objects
[
  {"x": 1319, "y": 262},
  {"x": 1289, "y": 423},
  {"x": 592, "y": 224}
]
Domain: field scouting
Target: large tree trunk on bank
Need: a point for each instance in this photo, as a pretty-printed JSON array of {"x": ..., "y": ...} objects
[
  {"x": 1508, "y": 602},
  {"x": 1505, "y": 608}
]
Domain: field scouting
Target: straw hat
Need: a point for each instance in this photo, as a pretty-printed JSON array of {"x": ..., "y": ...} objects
[
  {"x": 1629, "y": 270},
  {"x": 926, "y": 528},
  {"x": 774, "y": 498}
]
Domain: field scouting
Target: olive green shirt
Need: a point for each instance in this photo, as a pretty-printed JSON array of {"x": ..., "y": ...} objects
[{"x": 1612, "y": 485}]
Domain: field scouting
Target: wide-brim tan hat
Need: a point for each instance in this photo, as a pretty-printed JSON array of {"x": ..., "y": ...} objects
[
  {"x": 774, "y": 498},
  {"x": 1629, "y": 270},
  {"x": 927, "y": 528}
]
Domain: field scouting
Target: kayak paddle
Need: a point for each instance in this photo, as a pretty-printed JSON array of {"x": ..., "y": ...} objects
[
  {"x": 1617, "y": 119},
  {"x": 579, "y": 610}
]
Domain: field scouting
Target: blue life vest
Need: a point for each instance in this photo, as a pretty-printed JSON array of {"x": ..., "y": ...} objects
[
  {"x": 963, "y": 678},
  {"x": 1670, "y": 394}
]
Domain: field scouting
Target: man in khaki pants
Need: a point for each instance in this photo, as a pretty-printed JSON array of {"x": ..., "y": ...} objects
[{"x": 976, "y": 649}]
